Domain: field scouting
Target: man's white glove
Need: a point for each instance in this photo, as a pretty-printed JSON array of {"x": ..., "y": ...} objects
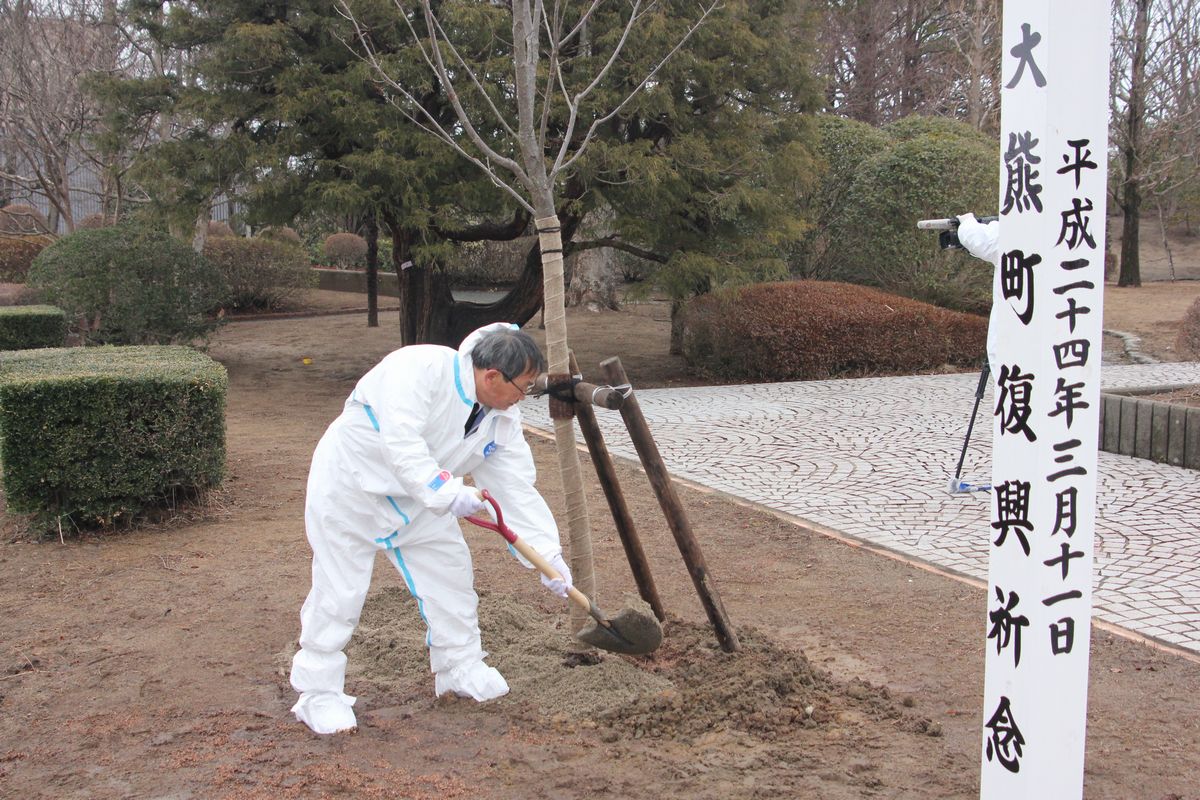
[
  {"x": 467, "y": 502},
  {"x": 558, "y": 587}
]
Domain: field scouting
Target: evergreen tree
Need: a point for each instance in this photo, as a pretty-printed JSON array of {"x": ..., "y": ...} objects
[{"x": 701, "y": 168}]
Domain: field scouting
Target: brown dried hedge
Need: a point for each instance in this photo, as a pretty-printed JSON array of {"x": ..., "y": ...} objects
[
  {"x": 809, "y": 330},
  {"x": 20, "y": 218},
  {"x": 281, "y": 233},
  {"x": 345, "y": 250},
  {"x": 218, "y": 229},
  {"x": 93, "y": 222},
  {"x": 17, "y": 254},
  {"x": 1187, "y": 344}
]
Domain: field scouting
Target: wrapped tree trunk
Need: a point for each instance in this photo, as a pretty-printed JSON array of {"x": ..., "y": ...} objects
[{"x": 558, "y": 356}]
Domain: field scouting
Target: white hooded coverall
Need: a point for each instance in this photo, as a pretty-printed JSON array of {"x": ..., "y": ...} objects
[
  {"x": 382, "y": 479},
  {"x": 982, "y": 240}
]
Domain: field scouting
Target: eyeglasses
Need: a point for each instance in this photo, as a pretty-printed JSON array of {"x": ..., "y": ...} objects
[{"x": 525, "y": 391}]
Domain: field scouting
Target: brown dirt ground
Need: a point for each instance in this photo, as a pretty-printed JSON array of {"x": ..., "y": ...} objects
[
  {"x": 1153, "y": 310},
  {"x": 152, "y": 664},
  {"x": 1188, "y": 396}
]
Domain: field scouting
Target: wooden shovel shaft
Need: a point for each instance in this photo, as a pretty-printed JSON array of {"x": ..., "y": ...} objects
[
  {"x": 543, "y": 566},
  {"x": 535, "y": 558}
]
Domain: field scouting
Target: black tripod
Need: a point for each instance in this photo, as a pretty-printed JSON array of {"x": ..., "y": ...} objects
[{"x": 956, "y": 484}]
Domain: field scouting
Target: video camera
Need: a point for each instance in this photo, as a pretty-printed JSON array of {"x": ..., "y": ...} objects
[{"x": 948, "y": 237}]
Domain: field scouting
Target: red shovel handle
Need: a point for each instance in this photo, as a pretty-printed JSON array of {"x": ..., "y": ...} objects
[
  {"x": 498, "y": 526},
  {"x": 535, "y": 558}
]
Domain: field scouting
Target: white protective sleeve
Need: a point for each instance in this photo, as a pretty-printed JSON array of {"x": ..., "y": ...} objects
[
  {"x": 980, "y": 240},
  {"x": 983, "y": 241},
  {"x": 509, "y": 475}
]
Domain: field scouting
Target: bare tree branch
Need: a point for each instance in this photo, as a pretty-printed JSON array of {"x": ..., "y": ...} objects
[
  {"x": 559, "y": 164},
  {"x": 422, "y": 118},
  {"x": 474, "y": 78},
  {"x": 616, "y": 243},
  {"x": 464, "y": 118}
]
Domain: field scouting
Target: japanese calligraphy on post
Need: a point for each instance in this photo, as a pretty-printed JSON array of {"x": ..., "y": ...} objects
[{"x": 1053, "y": 145}]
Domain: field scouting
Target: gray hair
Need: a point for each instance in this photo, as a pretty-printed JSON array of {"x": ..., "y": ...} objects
[{"x": 512, "y": 352}]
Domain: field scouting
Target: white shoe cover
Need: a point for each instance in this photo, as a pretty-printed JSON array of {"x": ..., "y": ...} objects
[
  {"x": 326, "y": 712},
  {"x": 475, "y": 680}
]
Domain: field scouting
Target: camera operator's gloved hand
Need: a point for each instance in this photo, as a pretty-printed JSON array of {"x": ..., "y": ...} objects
[
  {"x": 558, "y": 587},
  {"x": 468, "y": 501}
]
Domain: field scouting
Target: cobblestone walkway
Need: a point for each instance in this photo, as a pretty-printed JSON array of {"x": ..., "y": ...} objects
[{"x": 872, "y": 459}]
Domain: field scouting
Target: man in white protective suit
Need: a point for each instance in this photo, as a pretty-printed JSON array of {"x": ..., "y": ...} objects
[
  {"x": 387, "y": 477},
  {"x": 982, "y": 240}
]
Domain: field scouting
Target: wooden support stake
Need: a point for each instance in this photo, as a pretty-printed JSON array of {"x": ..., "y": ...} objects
[
  {"x": 672, "y": 508},
  {"x": 586, "y": 393},
  {"x": 607, "y": 474}
]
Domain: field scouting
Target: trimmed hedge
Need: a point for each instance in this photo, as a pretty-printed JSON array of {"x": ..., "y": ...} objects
[
  {"x": 28, "y": 327},
  {"x": 18, "y": 294},
  {"x": 101, "y": 436},
  {"x": 497, "y": 263},
  {"x": 810, "y": 330}
]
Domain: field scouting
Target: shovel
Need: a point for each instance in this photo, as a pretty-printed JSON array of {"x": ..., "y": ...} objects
[{"x": 630, "y": 631}]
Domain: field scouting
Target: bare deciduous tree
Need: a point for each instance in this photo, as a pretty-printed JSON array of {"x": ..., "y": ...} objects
[
  {"x": 853, "y": 40},
  {"x": 975, "y": 95},
  {"x": 889, "y": 60},
  {"x": 1156, "y": 119},
  {"x": 46, "y": 50},
  {"x": 1131, "y": 52},
  {"x": 1155, "y": 125},
  {"x": 511, "y": 137}
]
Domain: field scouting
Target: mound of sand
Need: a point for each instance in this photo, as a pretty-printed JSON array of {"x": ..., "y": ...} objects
[{"x": 688, "y": 688}]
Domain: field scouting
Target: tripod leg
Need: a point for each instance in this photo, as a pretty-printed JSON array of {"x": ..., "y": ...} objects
[{"x": 979, "y": 392}]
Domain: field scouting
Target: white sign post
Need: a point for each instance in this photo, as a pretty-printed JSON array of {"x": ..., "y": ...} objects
[{"x": 1054, "y": 142}]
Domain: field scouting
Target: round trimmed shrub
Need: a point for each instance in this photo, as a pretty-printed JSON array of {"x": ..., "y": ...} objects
[
  {"x": 911, "y": 127},
  {"x": 875, "y": 240},
  {"x": 810, "y": 330},
  {"x": 345, "y": 250},
  {"x": 93, "y": 221},
  {"x": 127, "y": 285},
  {"x": 218, "y": 229},
  {"x": 843, "y": 146},
  {"x": 260, "y": 273},
  {"x": 17, "y": 254},
  {"x": 1187, "y": 344},
  {"x": 281, "y": 233},
  {"x": 21, "y": 218}
]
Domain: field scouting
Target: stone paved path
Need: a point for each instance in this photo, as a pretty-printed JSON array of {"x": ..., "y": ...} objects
[{"x": 872, "y": 459}]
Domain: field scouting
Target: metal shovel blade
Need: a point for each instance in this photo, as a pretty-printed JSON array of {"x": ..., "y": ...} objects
[{"x": 630, "y": 632}]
